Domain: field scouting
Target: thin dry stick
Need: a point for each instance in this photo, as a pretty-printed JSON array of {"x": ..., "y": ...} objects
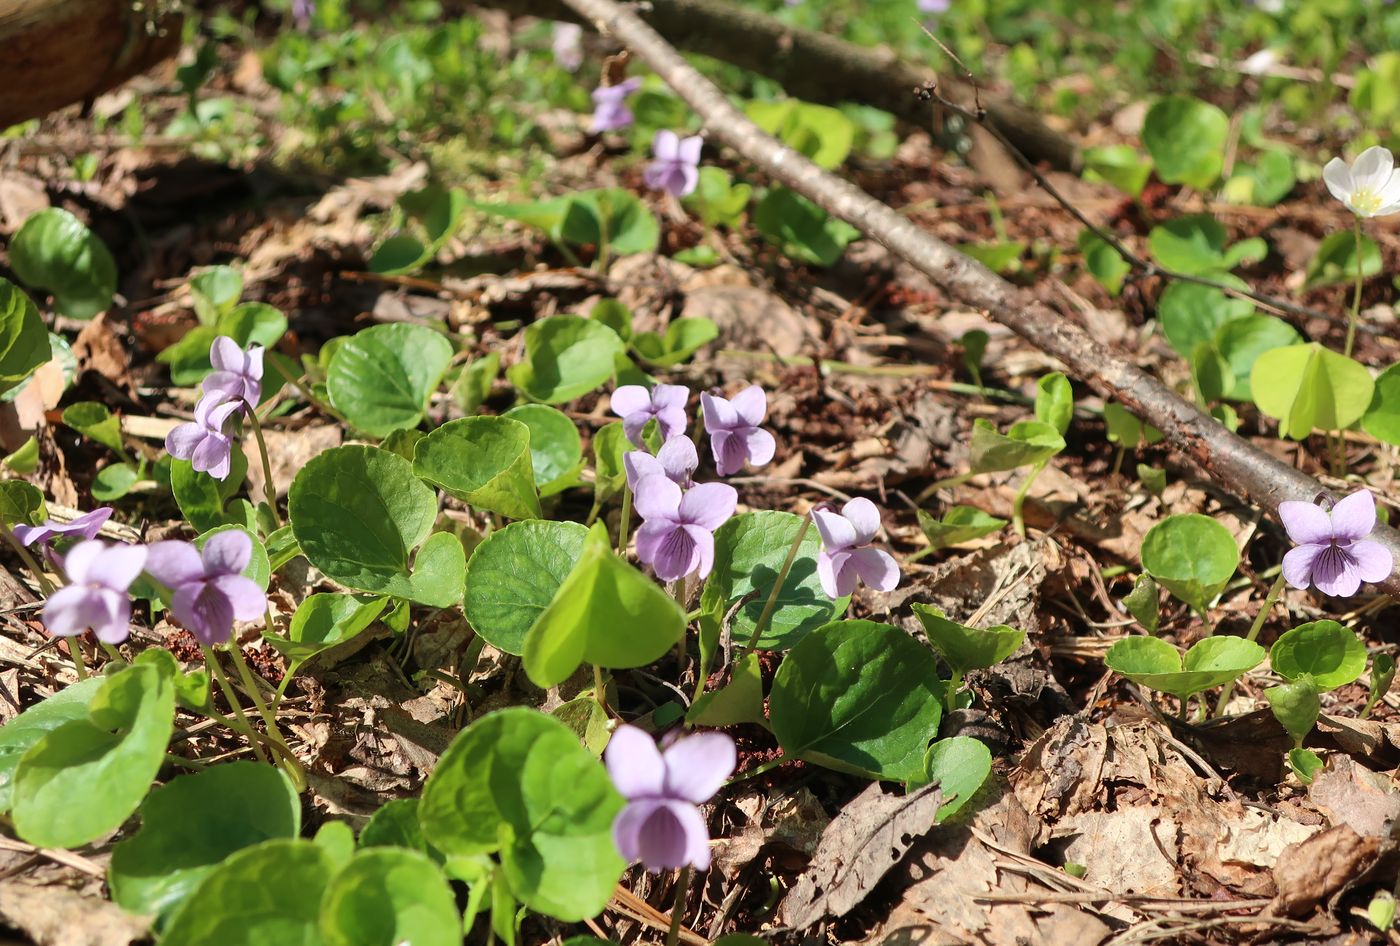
[{"x": 1239, "y": 467}]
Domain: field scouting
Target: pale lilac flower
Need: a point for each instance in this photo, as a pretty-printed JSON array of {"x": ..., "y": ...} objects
[
  {"x": 610, "y": 111},
  {"x": 302, "y": 12},
  {"x": 237, "y": 373},
  {"x": 85, "y": 526},
  {"x": 204, "y": 441},
  {"x": 568, "y": 45},
  {"x": 1370, "y": 186},
  {"x": 735, "y": 437},
  {"x": 636, "y": 405},
  {"x": 676, "y": 538},
  {"x": 675, "y": 460},
  {"x": 209, "y": 588},
  {"x": 934, "y": 6},
  {"x": 661, "y": 825},
  {"x": 96, "y": 595},
  {"x": 846, "y": 554},
  {"x": 676, "y": 165},
  {"x": 1332, "y": 551}
]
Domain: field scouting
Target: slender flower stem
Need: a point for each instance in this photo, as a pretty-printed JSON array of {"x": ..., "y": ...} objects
[
  {"x": 242, "y": 725},
  {"x": 1274, "y": 590},
  {"x": 758, "y": 770},
  {"x": 1018, "y": 522},
  {"x": 624, "y": 522},
  {"x": 290, "y": 763},
  {"x": 269, "y": 487},
  {"x": 767, "y": 614},
  {"x": 75, "y": 650},
  {"x": 113, "y": 653},
  {"x": 306, "y": 392},
  {"x": 673, "y": 935},
  {"x": 935, "y": 486},
  {"x": 1355, "y": 297},
  {"x": 600, "y": 691},
  {"x": 29, "y": 562}
]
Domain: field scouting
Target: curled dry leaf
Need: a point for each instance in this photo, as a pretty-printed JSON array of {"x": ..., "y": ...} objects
[{"x": 1310, "y": 872}]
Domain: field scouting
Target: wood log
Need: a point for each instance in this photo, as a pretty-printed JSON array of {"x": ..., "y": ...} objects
[{"x": 54, "y": 53}]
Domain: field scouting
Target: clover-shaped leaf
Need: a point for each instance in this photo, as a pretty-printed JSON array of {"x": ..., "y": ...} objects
[
  {"x": 1026, "y": 443},
  {"x": 1332, "y": 655},
  {"x": 1308, "y": 387},
  {"x": 1157, "y": 665},
  {"x": 1192, "y": 556}
]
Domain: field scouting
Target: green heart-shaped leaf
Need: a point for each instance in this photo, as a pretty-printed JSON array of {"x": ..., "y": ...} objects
[
  {"x": 565, "y": 357},
  {"x": 967, "y": 648},
  {"x": 381, "y": 377},
  {"x": 513, "y": 575},
  {"x": 1192, "y": 556},
  {"x": 56, "y": 252},
  {"x": 483, "y": 461},
  {"x": 1332, "y": 655}
]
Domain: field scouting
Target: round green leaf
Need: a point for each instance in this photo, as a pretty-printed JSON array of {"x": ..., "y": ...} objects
[
  {"x": 749, "y": 552},
  {"x": 56, "y": 252},
  {"x": 1296, "y": 706},
  {"x": 683, "y": 338},
  {"x": 513, "y": 575},
  {"x": 1186, "y": 138},
  {"x": 1192, "y": 556},
  {"x": 611, "y": 216},
  {"x": 1191, "y": 314},
  {"x": 190, "y": 824},
  {"x": 858, "y": 697},
  {"x": 1382, "y": 419},
  {"x": 601, "y": 594},
  {"x": 357, "y": 512},
  {"x": 556, "y": 451},
  {"x": 382, "y": 376},
  {"x": 961, "y": 523},
  {"x": 1157, "y": 665},
  {"x": 397, "y": 255},
  {"x": 84, "y": 778},
  {"x": 967, "y": 648},
  {"x": 959, "y": 764},
  {"x": 24, "y": 339},
  {"x": 1308, "y": 387},
  {"x": 16, "y": 736},
  {"x": 1242, "y": 341},
  {"x": 565, "y": 357},
  {"x": 268, "y": 893},
  {"x": 1328, "y": 652},
  {"x": 21, "y": 503},
  {"x": 483, "y": 461},
  {"x": 390, "y": 896},
  {"x": 395, "y": 824},
  {"x": 518, "y": 781}
]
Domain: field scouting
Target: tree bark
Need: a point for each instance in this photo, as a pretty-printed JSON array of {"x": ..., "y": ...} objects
[
  {"x": 1238, "y": 466},
  {"x": 818, "y": 67},
  {"x": 54, "y": 53}
]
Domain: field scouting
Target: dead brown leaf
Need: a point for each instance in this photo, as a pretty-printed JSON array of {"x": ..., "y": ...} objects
[
  {"x": 54, "y": 916},
  {"x": 860, "y": 846},
  {"x": 781, "y": 818},
  {"x": 1311, "y": 871},
  {"x": 99, "y": 349},
  {"x": 1353, "y": 795}
]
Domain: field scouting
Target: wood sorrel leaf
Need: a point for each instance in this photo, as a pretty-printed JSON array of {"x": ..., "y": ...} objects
[
  {"x": 358, "y": 512},
  {"x": 381, "y": 377},
  {"x": 1308, "y": 387},
  {"x": 1157, "y": 665},
  {"x": 1192, "y": 556},
  {"x": 518, "y": 782},
  {"x": 1382, "y": 419},
  {"x": 1296, "y": 706},
  {"x": 483, "y": 461},
  {"x": 1186, "y": 138},
  {"x": 967, "y": 648},
  {"x": 390, "y": 895},
  {"x": 1241, "y": 342},
  {"x": 556, "y": 451},
  {"x": 56, "y": 252},
  {"x": 24, "y": 339},
  {"x": 16, "y": 736},
  {"x": 959, "y": 524},
  {"x": 565, "y": 357},
  {"x": 1026, "y": 443},
  {"x": 1054, "y": 401},
  {"x": 1326, "y": 651},
  {"x": 959, "y": 764},
  {"x": 749, "y": 552},
  {"x": 513, "y": 575},
  {"x": 859, "y": 697},
  {"x": 605, "y": 613},
  {"x": 85, "y": 777},
  {"x": 268, "y": 893},
  {"x": 190, "y": 824}
]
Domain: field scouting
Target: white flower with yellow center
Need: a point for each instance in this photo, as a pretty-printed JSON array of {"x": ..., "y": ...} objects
[{"x": 1370, "y": 187}]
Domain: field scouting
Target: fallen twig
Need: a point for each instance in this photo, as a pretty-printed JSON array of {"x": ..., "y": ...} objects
[{"x": 1239, "y": 467}]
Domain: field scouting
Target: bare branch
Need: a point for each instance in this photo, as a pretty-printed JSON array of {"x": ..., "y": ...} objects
[{"x": 1238, "y": 466}]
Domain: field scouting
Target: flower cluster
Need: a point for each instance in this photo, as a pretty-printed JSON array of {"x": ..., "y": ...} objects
[{"x": 233, "y": 387}]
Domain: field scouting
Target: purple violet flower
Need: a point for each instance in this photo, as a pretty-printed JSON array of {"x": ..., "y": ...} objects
[
  {"x": 96, "y": 595},
  {"x": 934, "y": 6},
  {"x": 610, "y": 111},
  {"x": 86, "y": 526},
  {"x": 636, "y": 405},
  {"x": 302, "y": 12},
  {"x": 204, "y": 441},
  {"x": 677, "y": 537},
  {"x": 1332, "y": 550},
  {"x": 846, "y": 554},
  {"x": 735, "y": 437},
  {"x": 661, "y": 825},
  {"x": 675, "y": 460},
  {"x": 676, "y": 165},
  {"x": 209, "y": 588},
  {"x": 568, "y": 45},
  {"x": 237, "y": 374}
]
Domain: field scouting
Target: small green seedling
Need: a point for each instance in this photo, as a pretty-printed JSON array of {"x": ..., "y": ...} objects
[
  {"x": 1324, "y": 651},
  {"x": 1296, "y": 707},
  {"x": 966, "y": 648},
  {"x": 1157, "y": 665},
  {"x": 1193, "y": 557}
]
